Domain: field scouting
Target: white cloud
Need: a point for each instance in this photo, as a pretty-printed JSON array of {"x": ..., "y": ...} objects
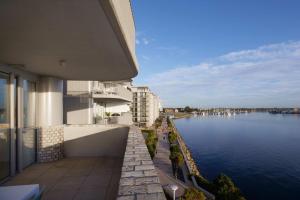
[
  {"x": 137, "y": 41},
  {"x": 266, "y": 76},
  {"x": 145, "y": 57},
  {"x": 145, "y": 41}
]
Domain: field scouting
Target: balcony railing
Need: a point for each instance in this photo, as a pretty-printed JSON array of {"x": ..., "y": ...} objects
[{"x": 116, "y": 92}]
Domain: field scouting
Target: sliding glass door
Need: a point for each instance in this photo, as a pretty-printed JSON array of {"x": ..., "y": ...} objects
[
  {"x": 4, "y": 127},
  {"x": 29, "y": 130}
]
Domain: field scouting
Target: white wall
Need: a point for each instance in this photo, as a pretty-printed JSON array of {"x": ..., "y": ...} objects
[
  {"x": 112, "y": 107},
  {"x": 95, "y": 140},
  {"x": 117, "y": 107},
  {"x": 78, "y": 110},
  {"x": 78, "y": 87}
]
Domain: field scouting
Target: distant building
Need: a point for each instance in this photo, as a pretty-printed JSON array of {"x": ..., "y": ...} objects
[
  {"x": 169, "y": 110},
  {"x": 146, "y": 106}
]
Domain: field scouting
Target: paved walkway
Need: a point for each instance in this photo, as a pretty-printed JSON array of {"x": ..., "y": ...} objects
[
  {"x": 74, "y": 178},
  {"x": 162, "y": 162}
]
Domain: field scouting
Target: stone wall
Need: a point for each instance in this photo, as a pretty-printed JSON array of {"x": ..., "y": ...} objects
[
  {"x": 50, "y": 143},
  {"x": 139, "y": 180},
  {"x": 192, "y": 167}
]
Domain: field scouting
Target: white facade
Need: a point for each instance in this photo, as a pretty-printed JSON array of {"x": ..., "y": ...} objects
[
  {"x": 145, "y": 107},
  {"x": 89, "y": 102}
]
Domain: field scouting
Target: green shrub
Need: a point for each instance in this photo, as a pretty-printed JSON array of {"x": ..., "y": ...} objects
[
  {"x": 177, "y": 161},
  {"x": 158, "y": 122},
  {"x": 222, "y": 187},
  {"x": 193, "y": 194},
  {"x": 225, "y": 189},
  {"x": 205, "y": 184},
  {"x": 151, "y": 142},
  {"x": 174, "y": 148},
  {"x": 172, "y": 137},
  {"x": 169, "y": 122}
]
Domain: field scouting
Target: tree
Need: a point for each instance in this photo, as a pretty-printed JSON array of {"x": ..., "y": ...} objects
[
  {"x": 187, "y": 109},
  {"x": 172, "y": 137},
  {"x": 225, "y": 189},
  {"x": 174, "y": 148},
  {"x": 151, "y": 141},
  {"x": 193, "y": 194},
  {"x": 177, "y": 161},
  {"x": 107, "y": 114}
]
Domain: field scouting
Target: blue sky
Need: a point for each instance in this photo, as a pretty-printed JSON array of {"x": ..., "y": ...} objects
[{"x": 213, "y": 53}]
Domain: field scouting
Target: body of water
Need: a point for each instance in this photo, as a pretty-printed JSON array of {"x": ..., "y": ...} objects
[{"x": 259, "y": 151}]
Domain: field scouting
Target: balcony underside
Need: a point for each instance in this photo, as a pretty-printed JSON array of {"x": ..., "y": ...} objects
[
  {"x": 110, "y": 98},
  {"x": 76, "y": 40}
]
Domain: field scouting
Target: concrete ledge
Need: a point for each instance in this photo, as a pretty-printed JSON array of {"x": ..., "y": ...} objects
[{"x": 139, "y": 180}]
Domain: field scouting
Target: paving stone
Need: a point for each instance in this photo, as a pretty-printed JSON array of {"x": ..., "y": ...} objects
[
  {"x": 127, "y": 168},
  {"x": 131, "y": 197},
  {"x": 130, "y": 190},
  {"x": 147, "y": 162},
  {"x": 132, "y": 174},
  {"x": 146, "y": 180},
  {"x": 127, "y": 181},
  {"x": 144, "y": 167},
  {"x": 150, "y": 173},
  {"x": 154, "y": 188},
  {"x": 154, "y": 196}
]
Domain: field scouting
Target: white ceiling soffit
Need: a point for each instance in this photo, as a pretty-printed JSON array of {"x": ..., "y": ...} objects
[{"x": 78, "y": 39}]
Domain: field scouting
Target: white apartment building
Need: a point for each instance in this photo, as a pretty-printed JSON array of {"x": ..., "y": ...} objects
[
  {"x": 145, "y": 107},
  {"x": 95, "y": 102}
]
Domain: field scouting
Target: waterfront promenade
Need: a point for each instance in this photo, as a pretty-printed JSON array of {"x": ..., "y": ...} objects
[{"x": 163, "y": 164}]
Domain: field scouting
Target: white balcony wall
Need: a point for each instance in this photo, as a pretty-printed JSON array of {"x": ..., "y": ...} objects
[
  {"x": 115, "y": 91},
  {"x": 79, "y": 87},
  {"x": 95, "y": 140},
  {"x": 78, "y": 110},
  {"x": 117, "y": 107}
]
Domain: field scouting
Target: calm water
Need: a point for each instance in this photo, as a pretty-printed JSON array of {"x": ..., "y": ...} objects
[{"x": 259, "y": 151}]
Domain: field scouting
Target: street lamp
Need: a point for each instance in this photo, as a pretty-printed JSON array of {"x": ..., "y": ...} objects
[{"x": 174, "y": 188}]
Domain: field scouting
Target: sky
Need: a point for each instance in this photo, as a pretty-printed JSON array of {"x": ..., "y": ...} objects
[{"x": 212, "y": 53}]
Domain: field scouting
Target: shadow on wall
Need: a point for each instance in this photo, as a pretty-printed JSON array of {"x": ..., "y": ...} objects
[
  {"x": 81, "y": 141},
  {"x": 77, "y": 110}
]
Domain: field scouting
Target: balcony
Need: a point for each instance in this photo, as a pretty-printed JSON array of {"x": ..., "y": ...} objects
[
  {"x": 115, "y": 92},
  {"x": 100, "y": 162},
  {"x": 124, "y": 119},
  {"x": 91, "y": 167}
]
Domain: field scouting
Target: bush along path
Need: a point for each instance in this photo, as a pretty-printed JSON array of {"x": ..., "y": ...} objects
[
  {"x": 151, "y": 141},
  {"x": 163, "y": 164}
]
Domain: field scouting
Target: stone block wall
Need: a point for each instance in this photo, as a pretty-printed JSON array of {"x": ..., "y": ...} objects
[
  {"x": 139, "y": 180},
  {"x": 50, "y": 143}
]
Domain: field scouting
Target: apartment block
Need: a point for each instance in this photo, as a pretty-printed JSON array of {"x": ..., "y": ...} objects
[
  {"x": 145, "y": 107},
  {"x": 96, "y": 102}
]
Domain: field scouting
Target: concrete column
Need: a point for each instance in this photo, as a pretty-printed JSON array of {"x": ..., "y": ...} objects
[{"x": 50, "y": 102}]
